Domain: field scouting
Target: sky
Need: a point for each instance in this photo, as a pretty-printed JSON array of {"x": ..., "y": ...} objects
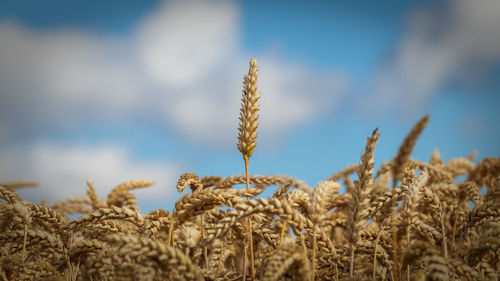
[{"x": 113, "y": 91}]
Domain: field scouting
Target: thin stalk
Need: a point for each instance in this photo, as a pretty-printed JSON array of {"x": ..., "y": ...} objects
[
  {"x": 314, "y": 255},
  {"x": 351, "y": 266},
  {"x": 282, "y": 233},
  {"x": 408, "y": 266},
  {"x": 170, "y": 236},
  {"x": 375, "y": 255},
  {"x": 395, "y": 261},
  {"x": 455, "y": 220},
  {"x": 70, "y": 267},
  {"x": 205, "y": 254},
  {"x": 250, "y": 240},
  {"x": 23, "y": 256},
  {"x": 445, "y": 247},
  {"x": 245, "y": 264},
  {"x": 220, "y": 258},
  {"x": 76, "y": 270},
  {"x": 462, "y": 233},
  {"x": 303, "y": 243},
  {"x": 336, "y": 272}
]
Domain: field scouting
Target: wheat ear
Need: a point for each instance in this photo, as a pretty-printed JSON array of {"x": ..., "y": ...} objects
[
  {"x": 365, "y": 170},
  {"x": 9, "y": 196},
  {"x": 14, "y": 185},
  {"x": 248, "y": 133},
  {"x": 406, "y": 148}
]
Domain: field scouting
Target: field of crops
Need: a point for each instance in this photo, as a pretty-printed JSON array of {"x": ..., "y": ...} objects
[{"x": 404, "y": 219}]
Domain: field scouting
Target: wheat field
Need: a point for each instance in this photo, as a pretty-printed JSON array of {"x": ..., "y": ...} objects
[{"x": 405, "y": 219}]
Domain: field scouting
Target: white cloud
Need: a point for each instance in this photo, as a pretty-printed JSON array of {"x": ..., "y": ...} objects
[
  {"x": 181, "y": 43},
  {"x": 293, "y": 95},
  {"x": 183, "y": 64},
  {"x": 63, "y": 170},
  {"x": 441, "y": 43}
]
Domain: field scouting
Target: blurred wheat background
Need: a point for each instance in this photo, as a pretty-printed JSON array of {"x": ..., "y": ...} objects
[{"x": 119, "y": 90}]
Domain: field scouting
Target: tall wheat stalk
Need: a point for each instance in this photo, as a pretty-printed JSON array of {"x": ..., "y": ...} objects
[{"x": 248, "y": 133}]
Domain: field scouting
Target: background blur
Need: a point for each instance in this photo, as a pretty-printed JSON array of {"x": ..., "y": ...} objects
[{"x": 118, "y": 90}]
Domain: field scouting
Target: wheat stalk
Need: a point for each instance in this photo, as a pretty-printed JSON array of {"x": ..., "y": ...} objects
[{"x": 247, "y": 133}]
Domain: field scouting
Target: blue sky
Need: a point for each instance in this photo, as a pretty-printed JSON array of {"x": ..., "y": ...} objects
[{"x": 120, "y": 90}]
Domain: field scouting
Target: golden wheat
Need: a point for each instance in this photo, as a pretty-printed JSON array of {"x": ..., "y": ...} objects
[{"x": 433, "y": 223}]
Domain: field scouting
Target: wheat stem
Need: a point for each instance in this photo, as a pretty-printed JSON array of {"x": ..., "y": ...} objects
[
  {"x": 170, "y": 232},
  {"x": 302, "y": 242},
  {"x": 282, "y": 233},
  {"x": 313, "y": 263},
  {"x": 351, "y": 265},
  {"x": 336, "y": 272},
  {"x": 408, "y": 266},
  {"x": 205, "y": 253},
  {"x": 250, "y": 240},
  {"x": 245, "y": 264},
  {"x": 23, "y": 256},
  {"x": 445, "y": 247},
  {"x": 70, "y": 267},
  {"x": 455, "y": 220},
  {"x": 375, "y": 255}
]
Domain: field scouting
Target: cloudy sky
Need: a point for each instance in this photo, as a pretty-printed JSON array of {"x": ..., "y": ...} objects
[{"x": 121, "y": 90}]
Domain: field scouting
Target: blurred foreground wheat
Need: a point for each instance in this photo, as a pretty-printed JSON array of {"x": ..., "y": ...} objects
[{"x": 433, "y": 223}]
